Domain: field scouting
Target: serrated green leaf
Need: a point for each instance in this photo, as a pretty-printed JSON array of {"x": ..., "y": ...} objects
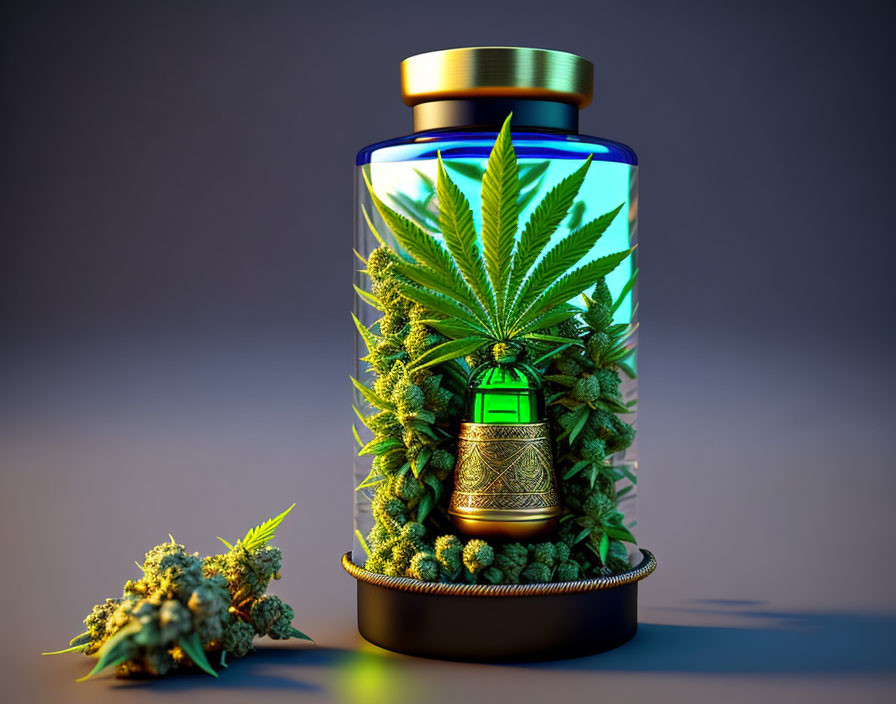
[
  {"x": 370, "y": 340},
  {"x": 453, "y": 328},
  {"x": 356, "y": 436},
  {"x": 453, "y": 349},
  {"x": 263, "y": 533},
  {"x": 368, "y": 298},
  {"x": 379, "y": 446},
  {"x": 584, "y": 533},
  {"x": 372, "y": 479},
  {"x": 427, "y": 278},
  {"x": 456, "y": 221},
  {"x": 372, "y": 398},
  {"x": 550, "y": 319},
  {"x": 500, "y": 213},
  {"x": 570, "y": 286},
  {"x": 426, "y": 250},
  {"x": 229, "y": 546},
  {"x": 542, "y": 224},
  {"x": 562, "y": 257},
  {"x": 192, "y": 646},
  {"x": 441, "y": 304},
  {"x": 119, "y": 648}
]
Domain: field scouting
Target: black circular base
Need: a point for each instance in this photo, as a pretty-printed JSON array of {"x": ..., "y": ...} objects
[{"x": 497, "y": 628}]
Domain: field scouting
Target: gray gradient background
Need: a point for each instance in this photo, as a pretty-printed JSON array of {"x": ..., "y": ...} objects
[{"x": 176, "y": 213}]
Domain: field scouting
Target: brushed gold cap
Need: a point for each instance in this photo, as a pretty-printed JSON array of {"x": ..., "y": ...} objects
[{"x": 497, "y": 72}]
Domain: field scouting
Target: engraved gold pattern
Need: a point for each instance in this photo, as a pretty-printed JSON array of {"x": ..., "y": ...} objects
[
  {"x": 648, "y": 565},
  {"x": 504, "y": 468}
]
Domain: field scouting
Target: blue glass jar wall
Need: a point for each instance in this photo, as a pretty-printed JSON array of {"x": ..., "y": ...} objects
[{"x": 402, "y": 172}]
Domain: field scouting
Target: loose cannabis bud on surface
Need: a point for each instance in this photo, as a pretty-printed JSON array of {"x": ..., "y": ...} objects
[
  {"x": 185, "y": 607},
  {"x": 445, "y": 309}
]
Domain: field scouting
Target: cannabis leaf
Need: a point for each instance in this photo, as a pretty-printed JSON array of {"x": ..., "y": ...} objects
[
  {"x": 500, "y": 213},
  {"x": 508, "y": 289},
  {"x": 264, "y": 533}
]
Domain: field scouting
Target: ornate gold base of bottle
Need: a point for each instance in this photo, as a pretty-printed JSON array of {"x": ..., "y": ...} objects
[{"x": 504, "y": 483}]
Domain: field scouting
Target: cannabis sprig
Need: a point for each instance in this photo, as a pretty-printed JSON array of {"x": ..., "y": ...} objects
[
  {"x": 503, "y": 292},
  {"x": 185, "y": 607},
  {"x": 260, "y": 534}
]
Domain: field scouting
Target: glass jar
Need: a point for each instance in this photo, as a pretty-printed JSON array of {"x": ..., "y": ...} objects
[{"x": 458, "y": 120}]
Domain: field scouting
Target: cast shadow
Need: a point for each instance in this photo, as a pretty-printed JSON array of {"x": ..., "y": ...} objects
[
  {"x": 780, "y": 642},
  {"x": 267, "y": 668}
]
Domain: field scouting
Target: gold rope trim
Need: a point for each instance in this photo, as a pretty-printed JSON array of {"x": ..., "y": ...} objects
[{"x": 648, "y": 565}]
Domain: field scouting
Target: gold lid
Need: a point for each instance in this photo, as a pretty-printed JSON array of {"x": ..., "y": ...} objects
[{"x": 497, "y": 72}]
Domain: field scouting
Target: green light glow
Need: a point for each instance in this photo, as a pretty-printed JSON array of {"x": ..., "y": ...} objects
[{"x": 503, "y": 394}]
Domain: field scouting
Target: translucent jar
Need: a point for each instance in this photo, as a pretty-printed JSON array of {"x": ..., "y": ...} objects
[{"x": 403, "y": 173}]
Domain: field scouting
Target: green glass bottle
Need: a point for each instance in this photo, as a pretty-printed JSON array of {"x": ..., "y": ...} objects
[
  {"x": 504, "y": 484},
  {"x": 504, "y": 393}
]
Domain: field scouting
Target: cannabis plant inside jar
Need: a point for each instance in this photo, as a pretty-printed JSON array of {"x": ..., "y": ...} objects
[{"x": 495, "y": 386}]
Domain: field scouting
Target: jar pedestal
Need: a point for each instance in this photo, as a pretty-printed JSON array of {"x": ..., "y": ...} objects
[{"x": 497, "y": 623}]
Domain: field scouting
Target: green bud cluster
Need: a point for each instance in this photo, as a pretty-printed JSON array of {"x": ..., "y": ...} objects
[
  {"x": 185, "y": 606},
  {"x": 413, "y": 457},
  {"x": 585, "y": 384}
]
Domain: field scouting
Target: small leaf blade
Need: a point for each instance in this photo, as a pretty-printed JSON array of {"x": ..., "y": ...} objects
[
  {"x": 563, "y": 256},
  {"x": 264, "y": 532},
  {"x": 448, "y": 351},
  {"x": 456, "y": 220},
  {"x": 191, "y": 645},
  {"x": 500, "y": 213},
  {"x": 543, "y": 223}
]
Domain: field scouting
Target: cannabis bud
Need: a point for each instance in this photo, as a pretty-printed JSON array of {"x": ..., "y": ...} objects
[{"x": 185, "y": 607}]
